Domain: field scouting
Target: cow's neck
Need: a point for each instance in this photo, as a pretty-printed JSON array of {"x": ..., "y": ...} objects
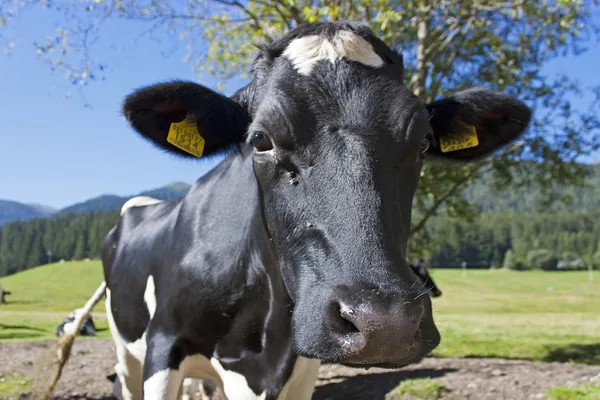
[{"x": 263, "y": 313}]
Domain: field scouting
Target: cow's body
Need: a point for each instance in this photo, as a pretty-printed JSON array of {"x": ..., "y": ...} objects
[
  {"x": 292, "y": 251},
  {"x": 230, "y": 301}
]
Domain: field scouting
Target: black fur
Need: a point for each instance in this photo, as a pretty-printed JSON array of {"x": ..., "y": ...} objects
[{"x": 299, "y": 250}]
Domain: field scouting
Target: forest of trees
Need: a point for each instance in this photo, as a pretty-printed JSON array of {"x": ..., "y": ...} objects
[
  {"x": 25, "y": 245},
  {"x": 513, "y": 240},
  {"x": 512, "y": 229},
  {"x": 517, "y": 241}
]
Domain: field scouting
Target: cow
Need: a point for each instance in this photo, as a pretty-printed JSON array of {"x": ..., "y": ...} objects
[
  {"x": 420, "y": 270},
  {"x": 291, "y": 252},
  {"x": 87, "y": 329}
]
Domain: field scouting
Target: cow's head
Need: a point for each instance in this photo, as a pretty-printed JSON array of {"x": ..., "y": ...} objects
[{"x": 338, "y": 143}]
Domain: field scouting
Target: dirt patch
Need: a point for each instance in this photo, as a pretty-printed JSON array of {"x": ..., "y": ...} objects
[{"x": 482, "y": 379}]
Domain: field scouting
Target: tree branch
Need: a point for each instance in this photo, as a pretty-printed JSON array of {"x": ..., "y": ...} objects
[
  {"x": 433, "y": 209},
  {"x": 442, "y": 199},
  {"x": 419, "y": 78},
  {"x": 253, "y": 16}
]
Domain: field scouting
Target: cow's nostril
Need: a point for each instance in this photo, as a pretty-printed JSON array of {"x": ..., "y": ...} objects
[
  {"x": 349, "y": 318},
  {"x": 341, "y": 319}
]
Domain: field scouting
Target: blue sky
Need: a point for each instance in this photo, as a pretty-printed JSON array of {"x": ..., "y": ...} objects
[{"x": 56, "y": 152}]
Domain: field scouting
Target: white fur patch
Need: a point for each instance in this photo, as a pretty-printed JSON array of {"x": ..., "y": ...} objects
[
  {"x": 129, "y": 366},
  {"x": 150, "y": 296},
  {"x": 138, "y": 348},
  {"x": 235, "y": 385},
  {"x": 304, "y": 52},
  {"x": 139, "y": 201},
  {"x": 300, "y": 385},
  {"x": 163, "y": 385}
]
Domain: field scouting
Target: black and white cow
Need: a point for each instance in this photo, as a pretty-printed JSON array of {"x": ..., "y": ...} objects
[
  {"x": 68, "y": 325},
  {"x": 291, "y": 252}
]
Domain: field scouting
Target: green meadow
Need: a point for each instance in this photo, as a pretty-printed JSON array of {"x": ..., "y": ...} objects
[{"x": 535, "y": 315}]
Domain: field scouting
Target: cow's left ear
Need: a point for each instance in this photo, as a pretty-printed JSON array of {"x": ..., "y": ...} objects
[
  {"x": 474, "y": 123},
  {"x": 185, "y": 118}
]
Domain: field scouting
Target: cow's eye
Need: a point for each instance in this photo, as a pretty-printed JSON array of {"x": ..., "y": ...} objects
[
  {"x": 261, "y": 141},
  {"x": 424, "y": 145}
]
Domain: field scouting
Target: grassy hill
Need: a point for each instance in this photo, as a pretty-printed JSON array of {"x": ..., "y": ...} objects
[
  {"x": 42, "y": 297},
  {"x": 53, "y": 287},
  {"x": 528, "y": 315}
]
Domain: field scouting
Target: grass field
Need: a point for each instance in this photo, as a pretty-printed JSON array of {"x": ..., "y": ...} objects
[
  {"x": 548, "y": 316},
  {"x": 42, "y": 297}
]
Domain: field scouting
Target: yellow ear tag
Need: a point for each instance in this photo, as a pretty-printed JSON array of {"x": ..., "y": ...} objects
[
  {"x": 185, "y": 136},
  {"x": 460, "y": 141}
]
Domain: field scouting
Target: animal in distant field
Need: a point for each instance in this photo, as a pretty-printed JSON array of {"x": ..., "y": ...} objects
[{"x": 87, "y": 328}]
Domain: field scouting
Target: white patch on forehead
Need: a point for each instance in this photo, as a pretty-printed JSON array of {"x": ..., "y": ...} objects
[{"x": 304, "y": 52}]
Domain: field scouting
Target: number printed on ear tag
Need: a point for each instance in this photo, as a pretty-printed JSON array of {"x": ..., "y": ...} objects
[
  {"x": 185, "y": 136},
  {"x": 460, "y": 141}
]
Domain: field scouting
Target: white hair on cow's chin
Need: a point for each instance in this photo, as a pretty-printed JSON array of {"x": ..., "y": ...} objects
[{"x": 305, "y": 51}]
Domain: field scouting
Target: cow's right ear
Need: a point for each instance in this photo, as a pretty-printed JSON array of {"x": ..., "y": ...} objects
[{"x": 186, "y": 118}]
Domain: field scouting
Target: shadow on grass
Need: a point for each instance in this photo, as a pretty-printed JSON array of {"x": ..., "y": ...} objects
[
  {"x": 579, "y": 353},
  {"x": 16, "y": 332},
  {"x": 24, "y": 327},
  {"x": 10, "y": 302},
  {"x": 19, "y": 335},
  {"x": 588, "y": 353},
  {"x": 372, "y": 386}
]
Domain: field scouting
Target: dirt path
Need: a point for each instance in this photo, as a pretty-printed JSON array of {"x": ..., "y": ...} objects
[{"x": 476, "y": 379}]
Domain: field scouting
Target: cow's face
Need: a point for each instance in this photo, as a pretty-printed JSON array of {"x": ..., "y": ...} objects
[{"x": 338, "y": 147}]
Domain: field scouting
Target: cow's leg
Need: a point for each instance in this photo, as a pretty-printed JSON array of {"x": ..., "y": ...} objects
[
  {"x": 163, "y": 379},
  {"x": 129, "y": 371},
  {"x": 128, "y": 368}
]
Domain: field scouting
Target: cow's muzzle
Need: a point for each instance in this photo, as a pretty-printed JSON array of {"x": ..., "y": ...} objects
[{"x": 368, "y": 328}]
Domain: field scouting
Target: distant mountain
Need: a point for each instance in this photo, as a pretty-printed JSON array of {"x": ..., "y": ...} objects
[
  {"x": 112, "y": 202},
  {"x": 15, "y": 211},
  {"x": 524, "y": 200},
  {"x": 173, "y": 190},
  {"x": 106, "y": 202}
]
